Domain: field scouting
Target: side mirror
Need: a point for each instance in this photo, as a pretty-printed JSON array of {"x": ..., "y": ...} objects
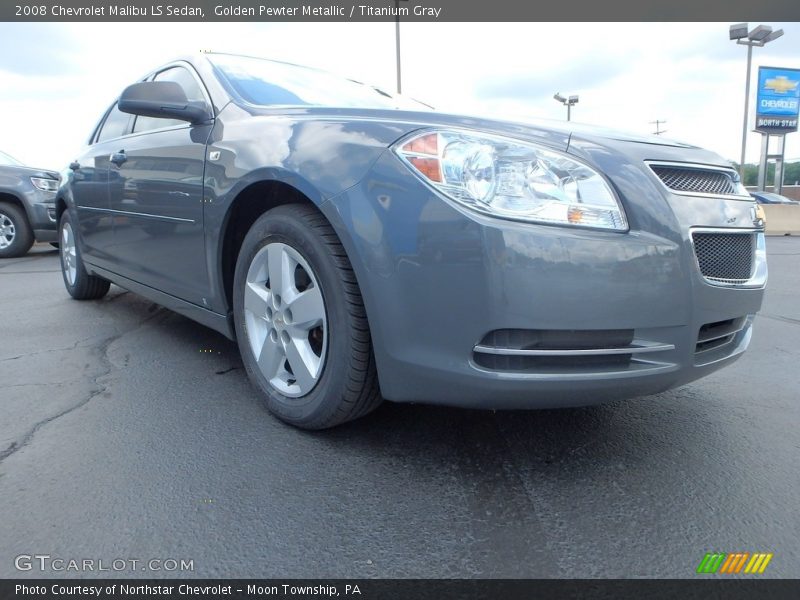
[{"x": 163, "y": 100}]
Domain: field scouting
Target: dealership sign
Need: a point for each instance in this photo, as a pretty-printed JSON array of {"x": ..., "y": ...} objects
[{"x": 778, "y": 100}]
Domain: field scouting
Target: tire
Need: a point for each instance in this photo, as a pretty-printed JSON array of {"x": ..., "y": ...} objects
[
  {"x": 77, "y": 280},
  {"x": 326, "y": 340},
  {"x": 16, "y": 235}
]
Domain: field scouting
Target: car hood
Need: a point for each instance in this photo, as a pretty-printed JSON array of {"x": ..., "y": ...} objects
[
  {"x": 14, "y": 170},
  {"x": 391, "y": 125}
]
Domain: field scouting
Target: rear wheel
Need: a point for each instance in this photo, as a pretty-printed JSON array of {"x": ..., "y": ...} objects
[
  {"x": 300, "y": 321},
  {"x": 77, "y": 280},
  {"x": 16, "y": 235}
]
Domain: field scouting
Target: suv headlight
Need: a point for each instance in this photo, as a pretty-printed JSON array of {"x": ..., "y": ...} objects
[
  {"x": 513, "y": 180},
  {"x": 46, "y": 185}
]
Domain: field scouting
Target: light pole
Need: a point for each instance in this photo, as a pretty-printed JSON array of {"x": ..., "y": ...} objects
[
  {"x": 568, "y": 102},
  {"x": 760, "y": 36},
  {"x": 397, "y": 45},
  {"x": 658, "y": 123}
]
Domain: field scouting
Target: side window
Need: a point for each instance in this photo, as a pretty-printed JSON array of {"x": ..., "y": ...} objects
[
  {"x": 189, "y": 84},
  {"x": 115, "y": 125}
]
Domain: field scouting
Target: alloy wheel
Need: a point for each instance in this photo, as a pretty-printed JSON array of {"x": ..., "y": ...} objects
[
  {"x": 285, "y": 319},
  {"x": 7, "y": 231},
  {"x": 69, "y": 257}
]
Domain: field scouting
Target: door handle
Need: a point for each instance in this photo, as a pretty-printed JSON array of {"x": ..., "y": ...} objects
[
  {"x": 74, "y": 165},
  {"x": 118, "y": 158}
]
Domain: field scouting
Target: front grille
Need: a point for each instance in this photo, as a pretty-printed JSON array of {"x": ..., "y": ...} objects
[
  {"x": 696, "y": 180},
  {"x": 725, "y": 257}
]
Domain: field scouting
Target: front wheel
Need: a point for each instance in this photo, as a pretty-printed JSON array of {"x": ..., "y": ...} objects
[
  {"x": 77, "y": 280},
  {"x": 16, "y": 235},
  {"x": 300, "y": 321}
]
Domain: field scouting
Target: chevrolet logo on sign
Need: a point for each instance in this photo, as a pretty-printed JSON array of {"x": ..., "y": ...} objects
[
  {"x": 780, "y": 84},
  {"x": 778, "y": 100}
]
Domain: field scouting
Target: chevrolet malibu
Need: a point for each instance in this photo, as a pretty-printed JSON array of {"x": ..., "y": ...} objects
[{"x": 360, "y": 246}]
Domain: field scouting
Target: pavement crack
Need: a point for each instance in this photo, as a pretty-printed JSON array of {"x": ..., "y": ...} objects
[
  {"x": 789, "y": 320},
  {"x": 50, "y": 351},
  {"x": 100, "y": 388},
  {"x": 227, "y": 370},
  {"x": 18, "y": 262},
  {"x": 26, "y": 439},
  {"x": 53, "y": 384}
]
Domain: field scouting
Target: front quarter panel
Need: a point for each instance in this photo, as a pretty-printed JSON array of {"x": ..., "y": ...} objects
[{"x": 320, "y": 157}]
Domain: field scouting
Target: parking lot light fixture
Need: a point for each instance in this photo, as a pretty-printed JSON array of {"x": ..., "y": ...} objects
[
  {"x": 759, "y": 36},
  {"x": 738, "y": 31},
  {"x": 568, "y": 102}
]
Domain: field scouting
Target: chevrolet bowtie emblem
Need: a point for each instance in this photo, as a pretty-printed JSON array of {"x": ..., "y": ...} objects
[{"x": 780, "y": 84}]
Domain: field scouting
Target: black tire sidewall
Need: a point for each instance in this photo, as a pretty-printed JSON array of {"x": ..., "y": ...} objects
[
  {"x": 23, "y": 235},
  {"x": 323, "y": 401}
]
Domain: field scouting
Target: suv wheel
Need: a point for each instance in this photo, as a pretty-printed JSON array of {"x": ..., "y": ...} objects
[
  {"x": 16, "y": 236},
  {"x": 78, "y": 282},
  {"x": 300, "y": 321}
]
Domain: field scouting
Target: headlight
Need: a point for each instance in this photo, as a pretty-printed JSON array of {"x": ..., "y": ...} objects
[
  {"x": 46, "y": 185},
  {"x": 513, "y": 180}
]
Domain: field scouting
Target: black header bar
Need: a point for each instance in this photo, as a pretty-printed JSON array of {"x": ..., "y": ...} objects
[
  {"x": 405, "y": 589},
  {"x": 405, "y": 10}
]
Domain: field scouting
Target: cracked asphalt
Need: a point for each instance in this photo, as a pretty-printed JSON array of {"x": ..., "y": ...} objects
[{"x": 128, "y": 431}]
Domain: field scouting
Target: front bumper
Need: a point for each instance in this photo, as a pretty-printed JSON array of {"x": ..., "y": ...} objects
[
  {"x": 439, "y": 283},
  {"x": 41, "y": 209}
]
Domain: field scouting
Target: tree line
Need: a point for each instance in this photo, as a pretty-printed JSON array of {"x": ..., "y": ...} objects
[{"x": 791, "y": 174}]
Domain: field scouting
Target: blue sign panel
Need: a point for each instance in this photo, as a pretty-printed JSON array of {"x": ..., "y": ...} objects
[{"x": 778, "y": 100}]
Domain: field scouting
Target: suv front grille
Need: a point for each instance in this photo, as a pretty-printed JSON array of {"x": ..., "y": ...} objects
[
  {"x": 725, "y": 257},
  {"x": 696, "y": 180}
]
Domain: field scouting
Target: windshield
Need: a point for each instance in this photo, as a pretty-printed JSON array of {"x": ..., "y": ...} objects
[
  {"x": 271, "y": 83},
  {"x": 9, "y": 161}
]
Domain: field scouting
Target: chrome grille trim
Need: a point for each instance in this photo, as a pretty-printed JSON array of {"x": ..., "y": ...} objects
[
  {"x": 569, "y": 353},
  {"x": 637, "y": 347},
  {"x": 698, "y": 180}
]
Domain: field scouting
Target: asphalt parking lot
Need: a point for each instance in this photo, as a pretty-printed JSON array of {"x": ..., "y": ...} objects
[{"x": 130, "y": 432}]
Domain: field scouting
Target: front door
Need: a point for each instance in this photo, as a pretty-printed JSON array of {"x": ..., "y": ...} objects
[{"x": 156, "y": 199}]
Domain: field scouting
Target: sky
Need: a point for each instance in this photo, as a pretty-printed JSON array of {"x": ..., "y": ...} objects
[{"x": 56, "y": 79}]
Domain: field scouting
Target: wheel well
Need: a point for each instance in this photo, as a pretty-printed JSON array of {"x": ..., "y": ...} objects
[
  {"x": 12, "y": 199},
  {"x": 61, "y": 206},
  {"x": 249, "y": 205}
]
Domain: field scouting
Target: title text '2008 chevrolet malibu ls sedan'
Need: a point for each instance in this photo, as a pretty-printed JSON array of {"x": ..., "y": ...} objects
[{"x": 361, "y": 246}]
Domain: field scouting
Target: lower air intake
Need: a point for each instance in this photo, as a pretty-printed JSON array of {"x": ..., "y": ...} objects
[{"x": 564, "y": 351}]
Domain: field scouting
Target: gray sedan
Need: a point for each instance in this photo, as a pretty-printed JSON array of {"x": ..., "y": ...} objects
[{"x": 360, "y": 246}]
